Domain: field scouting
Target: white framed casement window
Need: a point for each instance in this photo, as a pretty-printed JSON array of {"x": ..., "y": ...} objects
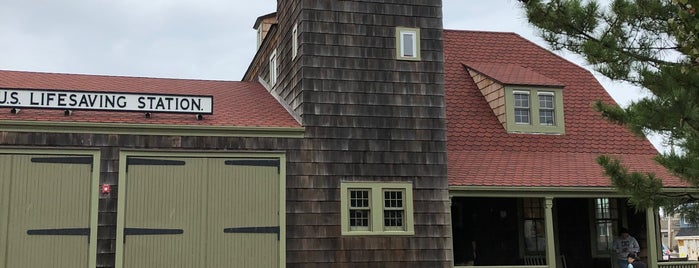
[
  {"x": 375, "y": 208},
  {"x": 547, "y": 108},
  {"x": 522, "y": 107},
  {"x": 295, "y": 41},
  {"x": 273, "y": 68},
  {"x": 407, "y": 43}
]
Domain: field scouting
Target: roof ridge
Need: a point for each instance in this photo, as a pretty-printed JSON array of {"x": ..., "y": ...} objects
[{"x": 117, "y": 76}]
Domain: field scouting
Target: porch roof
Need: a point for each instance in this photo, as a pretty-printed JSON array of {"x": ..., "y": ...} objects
[{"x": 482, "y": 153}]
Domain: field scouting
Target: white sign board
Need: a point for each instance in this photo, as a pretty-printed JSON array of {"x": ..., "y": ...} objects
[{"x": 106, "y": 101}]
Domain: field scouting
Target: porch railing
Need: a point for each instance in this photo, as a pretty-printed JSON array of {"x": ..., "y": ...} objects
[{"x": 678, "y": 264}]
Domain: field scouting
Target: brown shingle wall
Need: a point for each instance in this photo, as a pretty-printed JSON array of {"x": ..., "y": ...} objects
[{"x": 368, "y": 117}]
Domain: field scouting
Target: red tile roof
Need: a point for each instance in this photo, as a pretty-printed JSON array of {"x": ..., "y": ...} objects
[
  {"x": 512, "y": 74},
  {"x": 242, "y": 104},
  {"x": 482, "y": 153}
]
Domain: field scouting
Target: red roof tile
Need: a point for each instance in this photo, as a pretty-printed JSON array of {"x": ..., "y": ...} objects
[
  {"x": 512, "y": 74},
  {"x": 241, "y": 104},
  {"x": 482, "y": 153}
]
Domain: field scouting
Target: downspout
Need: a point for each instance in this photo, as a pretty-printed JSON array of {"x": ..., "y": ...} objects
[{"x": 550, "y": 243}]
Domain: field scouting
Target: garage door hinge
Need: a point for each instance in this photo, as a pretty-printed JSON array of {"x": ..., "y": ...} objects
[
  {"x": 253, "y": 230},
  {"x": 255, "y": 163},
  {"x": 86, "y": 160},
  {"x": 152, "y": 162}
]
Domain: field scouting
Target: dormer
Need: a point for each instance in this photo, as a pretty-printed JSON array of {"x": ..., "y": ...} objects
[
  {"x": 262, "y": 26},
  {"x": 523, "y": 100}
]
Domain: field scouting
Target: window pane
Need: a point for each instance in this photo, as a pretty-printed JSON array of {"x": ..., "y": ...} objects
[
  {"x": 393, "y": 209},
  {"x": 521, "y": 100},
  {"x": 546, "y": 110},
  {"x": 522, "y": 116},
  {"x": 521, "y": 108},
  {"x": 546, "y": 117},
  {"x": 534, "y": 228},
  {"x": 604, "y": 235},
  {"x": 408, "y": 44},
  {"x": 606, "y": 217},
  {"x": 546, "y": 101},
  {"x": 359, "y": 212}
]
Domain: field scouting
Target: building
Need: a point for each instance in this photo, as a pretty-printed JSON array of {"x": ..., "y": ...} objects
[{"x": 362, "y": 135}]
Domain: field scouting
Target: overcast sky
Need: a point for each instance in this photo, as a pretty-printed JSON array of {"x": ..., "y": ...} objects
[{"x": 198, "y": 39}]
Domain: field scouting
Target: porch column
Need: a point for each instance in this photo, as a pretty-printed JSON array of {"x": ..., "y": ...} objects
[
  {"x": 550, "y": 243},
  {"x": 652, "y": 241}
]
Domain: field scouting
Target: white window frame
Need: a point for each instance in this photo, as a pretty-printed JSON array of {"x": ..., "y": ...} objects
[
  {"x": 528, "y": 108},
  {"x": 295, "y": 41},
  {"x": 553, "y": 109},
  {"x": 273, "y": 68},
  {"x": 377, "y": 208},
  {"x": 534, "y": 126},
  {"x": 401, "y": 33}
]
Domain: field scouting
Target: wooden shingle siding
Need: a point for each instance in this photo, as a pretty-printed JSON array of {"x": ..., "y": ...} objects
[{"x": 368, "y": 117}]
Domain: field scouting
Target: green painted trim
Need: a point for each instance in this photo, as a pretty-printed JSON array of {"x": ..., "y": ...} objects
[
  {"x": 151, "y": 129},
  {"x": 121, "y": 206},
  {"x": 556, "y": 192},
  {"x": 652, "y": 239},
  {"x": 94, "y": 184},
  {"x": 282, "y": 209},
  {"x": 399, "y": 46},
  {"x": 550, "y": 232},
  {"x": 376, "y": 207},
  {"x": 534, "y": 127}
]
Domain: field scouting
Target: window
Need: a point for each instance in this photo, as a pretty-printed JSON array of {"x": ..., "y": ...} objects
[
  {"x": 408, "y": 43},
  {"x": 273, "y": 68},
  {"x": 359, "y": 209},
  {"x": 376, "y": 208},
  {"x": 522, "y": 107},
  {"x": 534, "y": 228},
  {"x": 547, "y": 109},
  {"x": 534, "y": 110},
  {"x": 294, "y": 41},
  {"x": 606, "y": 217}
]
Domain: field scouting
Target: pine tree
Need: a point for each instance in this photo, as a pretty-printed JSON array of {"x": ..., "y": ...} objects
[{"x": 653, "y": 44}]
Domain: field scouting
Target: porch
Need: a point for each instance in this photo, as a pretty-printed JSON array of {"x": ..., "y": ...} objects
[{"x": 531, "y": 231}]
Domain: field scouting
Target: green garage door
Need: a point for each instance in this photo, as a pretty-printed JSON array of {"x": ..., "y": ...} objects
[
  {"x": 201, "y": 212},
  {"x": 45, "y": 210}
]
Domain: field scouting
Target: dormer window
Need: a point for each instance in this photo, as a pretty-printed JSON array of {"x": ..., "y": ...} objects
[
  {"x": 523, "y": 100},
  {"x": 407, "y": 43},
  {"x": 522, "y": 109},
  {"x": 547, "y": 109},
  {"x": 534, "y": 110}
]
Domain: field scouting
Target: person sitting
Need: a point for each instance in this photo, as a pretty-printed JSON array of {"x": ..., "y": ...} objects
[{"x": 635, "y": 261}]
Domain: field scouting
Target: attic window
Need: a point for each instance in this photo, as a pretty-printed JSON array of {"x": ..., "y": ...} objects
[
  {"x": 407, "y": 43},
  {"x": 521, "y": 103},
  {"x": 547, "y": 109}
]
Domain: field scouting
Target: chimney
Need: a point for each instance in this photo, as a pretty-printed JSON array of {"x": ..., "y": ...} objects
[{"x": 262, "y": 25}]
